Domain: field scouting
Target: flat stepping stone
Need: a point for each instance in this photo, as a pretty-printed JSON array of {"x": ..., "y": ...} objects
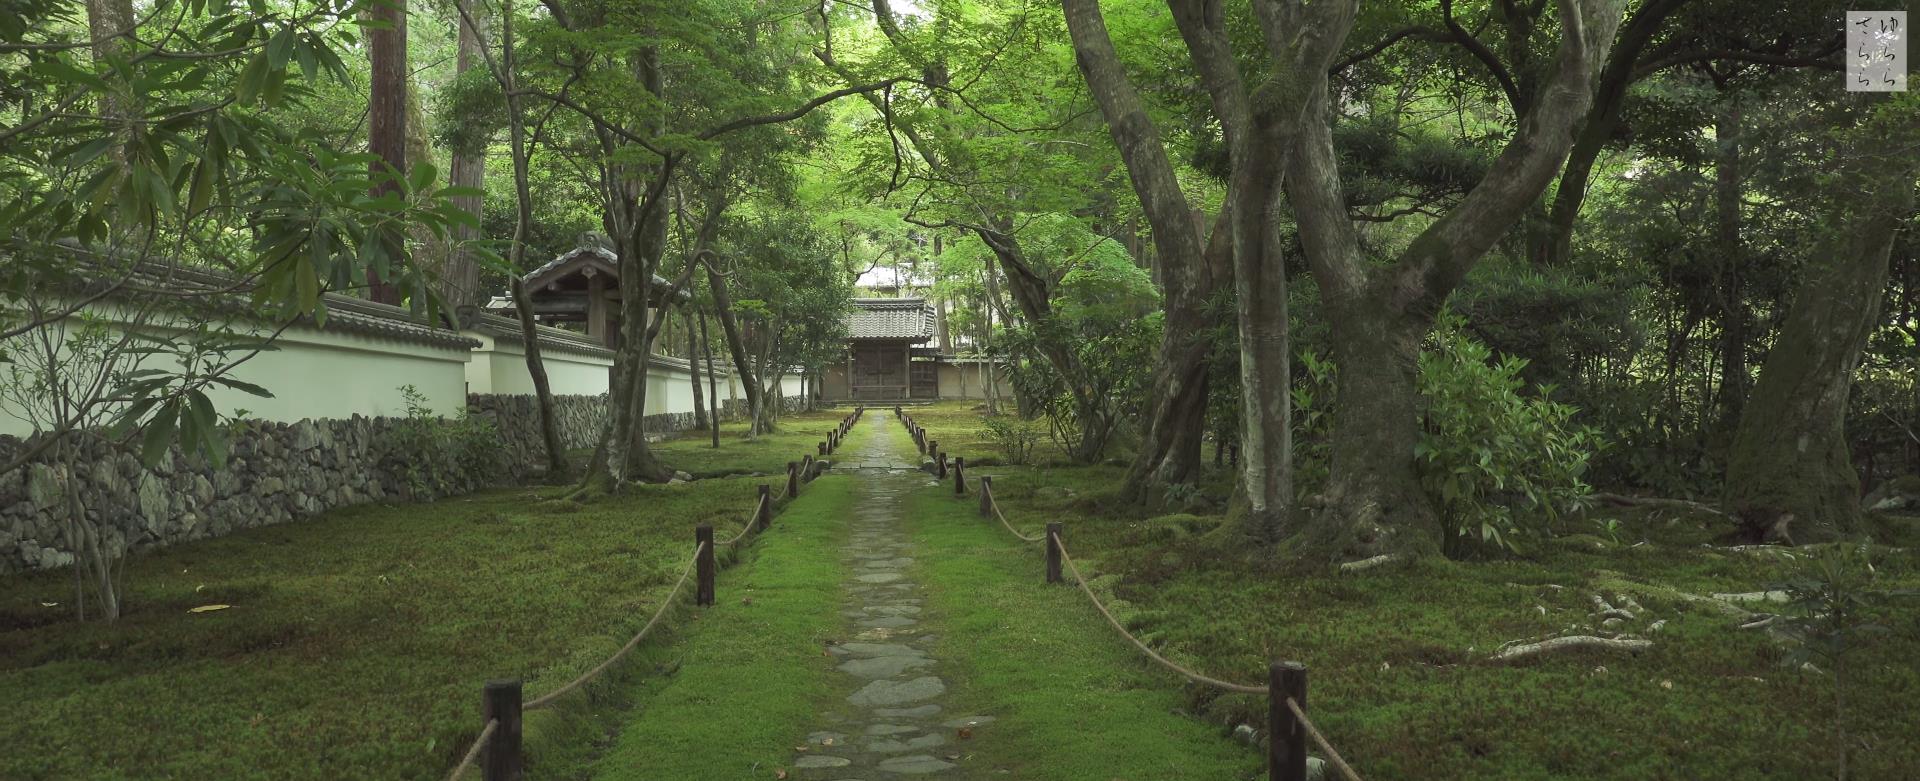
[
  {"x": 888, "y": 622},
  {"x": 893, "y": 693},
  {"x": 883, "y": 666},
  {"x": 917, "y": 764},
  {"x": 821, "y": 738},
  {"x": 967, "y": 721},
  {"x": 916, "y": 712},
  {"x": 821, "y": 760},
  {"x": 877, "y": 649},
  {"x": 883, "y": 730},
  {"x": 892, "y": 746},
  {"x": 879, "y": 577},
  {"x": 892, "y": 610}
]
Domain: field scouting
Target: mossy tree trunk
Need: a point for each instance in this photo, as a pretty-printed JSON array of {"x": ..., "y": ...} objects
[
  {"x": 1374, "y": 503},
  {"x": 1789, "y": 476}
]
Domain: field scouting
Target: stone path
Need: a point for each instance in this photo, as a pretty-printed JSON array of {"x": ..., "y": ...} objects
[{"x": 895, "y": 723}]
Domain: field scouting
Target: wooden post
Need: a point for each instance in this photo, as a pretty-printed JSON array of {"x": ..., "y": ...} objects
[
  {"x": 703, "y": 591},
  {"x": 806, "y": 469},
  {"x": 986, "y": 496},
  {"x": 939, "y": 465},
  {"x": 1286, "y": 741},
  {"x": 793, "y": 479},
  {"x": 763, "y": 515},
  {"x": 823, "y": 448},
  {"x": 959, "y": 476},
  {"x": 500, "y": 760},
  {"x": 1053, "y": 552}
]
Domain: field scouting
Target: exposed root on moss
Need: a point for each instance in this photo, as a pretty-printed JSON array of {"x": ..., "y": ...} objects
[
  {"x": 1370, "y": 563},
  {"x": 1571, "y": 642},
  {"x": 1623, "y": 500}
]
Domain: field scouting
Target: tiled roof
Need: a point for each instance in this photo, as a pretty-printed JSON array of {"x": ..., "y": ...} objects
[
  {"x": 891, "y": 318},
  {"x": 344, "y": 314},
  {"x": 604, "y": 261}
]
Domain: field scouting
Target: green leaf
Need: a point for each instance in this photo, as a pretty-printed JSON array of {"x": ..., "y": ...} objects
[{"x": 159, "y": 433}]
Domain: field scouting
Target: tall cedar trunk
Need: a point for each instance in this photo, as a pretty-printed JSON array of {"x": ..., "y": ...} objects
[
  {"x": 693, "y": 369},
  {"x": 1788, "y": 476},
  {"x": 1374, "y": 503},
  {"x": 1731, "y": 291},
  {"x": 110, "y": 25},
  {"x": 460, "y": 276},
  {"x": 387, "y": 118}
]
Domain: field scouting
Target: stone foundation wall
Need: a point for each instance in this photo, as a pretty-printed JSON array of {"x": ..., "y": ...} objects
[{"x": 275, "y": 473}]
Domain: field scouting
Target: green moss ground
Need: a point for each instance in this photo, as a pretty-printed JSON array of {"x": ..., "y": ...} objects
[
  {"x": 1399, "y": 680},
  {"x": 749, "y": 670},
  {"x": 798, "y": 435},
  {"x": 1072, "y": 701},
  {"x": 356, "y": 643}
]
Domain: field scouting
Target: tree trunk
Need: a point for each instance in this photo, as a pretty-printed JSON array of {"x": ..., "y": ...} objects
[
  {"x": 1176, "y": 414},
  {"x": 736, "y": 346},
  {"x": 1374, "y": 504},
  {"x": 1603, "y": 118},
  {"x": 1788, "y": 476},
  {"x": 387, "y": 119},
  {"x": 558, "y": 469},
  {"x": 693, "y": 369},
  {"x": 713, "y": 389},
  {"x": 1731, "y": 291},
  {"x": 460, "y": 276}
]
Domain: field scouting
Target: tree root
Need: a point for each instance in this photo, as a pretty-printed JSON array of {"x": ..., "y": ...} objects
[
  {"x": 1623, "y": 500},
  {"x": 1571, "y": 642},
  {"x": 1369, "y": 563}
]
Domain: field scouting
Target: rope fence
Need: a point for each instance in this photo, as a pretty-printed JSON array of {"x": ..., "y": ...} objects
[
  {"x": 497, "y": 750},
  {"x": 1288, "y": 728}
]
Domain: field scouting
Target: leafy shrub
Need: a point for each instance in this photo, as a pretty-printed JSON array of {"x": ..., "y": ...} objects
[
  {"x": 1501, "y": 466},
  {"x": 438, "y": 456},
  {"x": 1013, "y": 438}
]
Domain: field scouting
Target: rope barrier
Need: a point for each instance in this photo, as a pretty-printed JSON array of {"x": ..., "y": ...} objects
[
  {"x": 548, "y": 698},
  {"x": 751, "y": 522},
  {"x": 1333, "y": 757},
  {"x": 1188, "y": 674},
  {"x": 473, "y": 752},
  {"x": 1003, "y": 522}
]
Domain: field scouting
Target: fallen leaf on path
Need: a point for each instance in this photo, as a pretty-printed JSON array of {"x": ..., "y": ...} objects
[
  {"x": 779, "y": 773},
  {"x": 966, "y": 732},
  {"x": 208, "y": 608}
]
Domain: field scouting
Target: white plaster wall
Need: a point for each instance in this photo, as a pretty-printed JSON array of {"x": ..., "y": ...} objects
[
  {"x": 498, "y": 367},
  {"x": 317, "y": 374}
]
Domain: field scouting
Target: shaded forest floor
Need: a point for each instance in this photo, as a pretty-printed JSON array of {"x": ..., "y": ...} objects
[
  {"x": 1400, "y": 677},
  {"x": 354, "y": 643}
]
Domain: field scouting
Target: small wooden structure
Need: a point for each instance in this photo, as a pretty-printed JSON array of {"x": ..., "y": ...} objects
[
  {"x": 582, "y": 285},
  {"x": 884, "y": 361}
]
